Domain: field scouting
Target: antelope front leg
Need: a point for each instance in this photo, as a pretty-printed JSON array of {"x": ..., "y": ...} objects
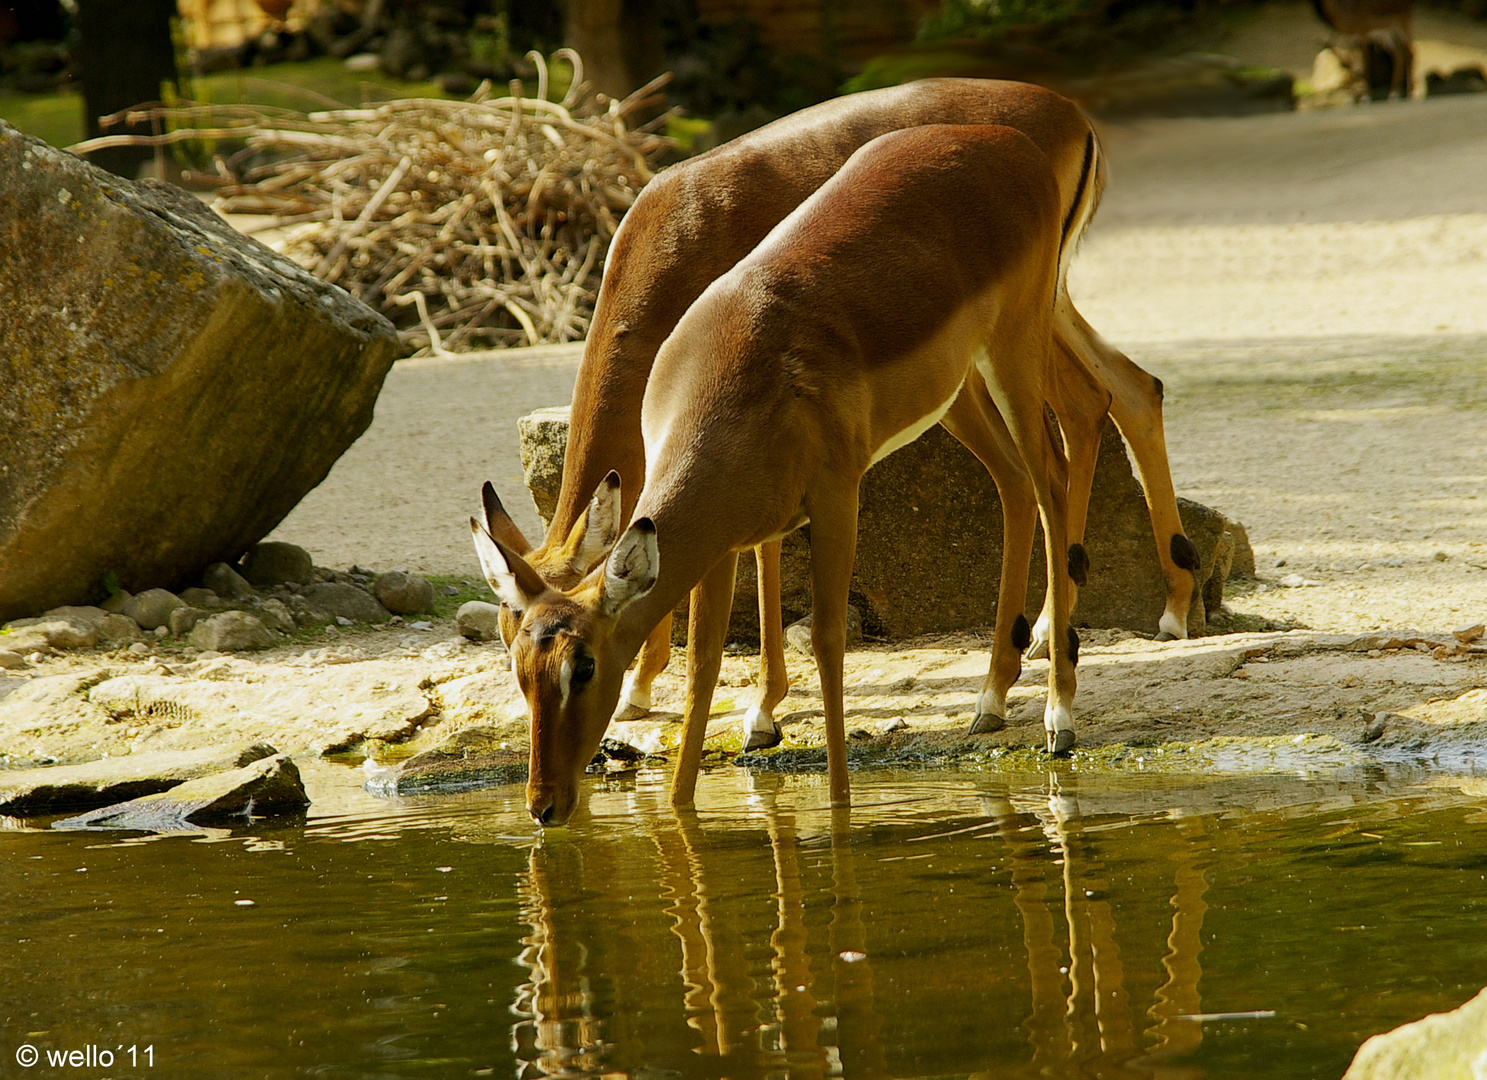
[
  {"x": 760, "y": 730},
  {"x": 833, "y": 546},
  {"x": 635, "y": 697},
  {"x": 712, "y": 604},
  {"x": 1136, "y": 408}
]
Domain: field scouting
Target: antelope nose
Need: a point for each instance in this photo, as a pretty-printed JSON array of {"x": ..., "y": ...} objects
[{"x": 542, "y": 813}]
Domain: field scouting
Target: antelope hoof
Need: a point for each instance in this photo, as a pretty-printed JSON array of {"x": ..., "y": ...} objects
[
  {"x": 1162, "y": 635},
  {"x": 629, "y": 711},
  {"x": 985, "y": 723},
  {"x": 1038, "y": 650},
  {"x": 1059, "y": 743},
  {"x": 761, "y": 739}
]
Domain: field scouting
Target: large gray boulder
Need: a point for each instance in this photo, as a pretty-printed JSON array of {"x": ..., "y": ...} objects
[
  {"x": 1442, "y": 1046},
  {"x": 25, "y": 792},
  {"x": 929, "y": 543},
  {"x": 169, "y": 389},
  {"x": 267, "y": 787}
]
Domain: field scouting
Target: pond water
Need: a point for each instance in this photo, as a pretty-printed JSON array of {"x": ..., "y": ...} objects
[{"x": 1024, "y": 925}]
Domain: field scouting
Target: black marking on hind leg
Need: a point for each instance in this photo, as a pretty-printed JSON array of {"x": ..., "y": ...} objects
[
  {"x": 1022, "y": 633},
  {"x": 1078, "y": 564},
  {"x": 1073, "y": 647},
  {"x": 1184, "y": 554}
]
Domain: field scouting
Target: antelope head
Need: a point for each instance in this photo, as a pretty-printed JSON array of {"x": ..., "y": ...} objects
[{"x": 562, "y": 646}]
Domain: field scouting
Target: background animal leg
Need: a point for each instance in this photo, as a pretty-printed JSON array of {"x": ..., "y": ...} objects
[
  {"x": 1136, "y": 408},
  {"x": 635, "y": 698},
  {"x": 974, "y": 421},
  {"x": 760, "y": 730}
]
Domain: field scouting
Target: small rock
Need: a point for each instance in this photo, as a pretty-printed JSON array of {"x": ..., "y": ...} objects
[
  {"x": 1392, "y": 561},
  {"x": 1296, "y": 581},
  {"x": 478, "y": 621},
  {"x": 225, "y": 581},
  {"x": 139, "y": 648},
  {"x": 11, "y": 660},
  {"x": 36, "y": 658},
  {"x": 798, "y": 633},
  {"x": 404, "y": 594},
  {"x": 621, "y": 752},
  {"x": 423, "y": 625},
  {"x": 274, "y": 614},
  {"x": 277, "y": 563},
  {"x": 335, "y": 600},
  {"x": 449, "y": 590},
  {"x": 1441, "y": 556},
  {"x": 1374, "y": 730},
  {"x": 115, "y": 603},
  {"x": 898, "y": 723},
  {"x": 230, "y": 631},
  {"x": 1469, "y": 633},
  {"x": 341, "y": 620},
  {"x": 151, "y": 608},
  {"x": 50, "y": 633},
  {"x": 859, "y": 733},
  {"x": 200, "y": 598},
  {"x": 268, "y": 786},
  {"x": 182, "y": 619}
]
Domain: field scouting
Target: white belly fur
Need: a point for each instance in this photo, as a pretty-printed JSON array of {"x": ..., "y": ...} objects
[{"x": 913, "y": 431}]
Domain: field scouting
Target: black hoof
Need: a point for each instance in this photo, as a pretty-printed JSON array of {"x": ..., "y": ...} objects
[
  {"x": 985, "y": 723},
  {"x": 1164, "y": 636},
  {"x": 763, "y": 740},
  {"x": 1058, "y": 743}
]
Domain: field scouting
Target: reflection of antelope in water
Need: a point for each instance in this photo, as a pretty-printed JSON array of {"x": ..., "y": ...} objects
[
  {"x": 580, "y": 978},
  {"x": 1081, "y": 1011},
  {"x": 1382, "y": 23}
]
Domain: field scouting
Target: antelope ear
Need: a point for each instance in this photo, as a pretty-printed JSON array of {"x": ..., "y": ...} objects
[
  {"x": 631, "y": 569},
  {"x": 511, "y": 576},
  {"x": 498, "y": 522},
  {"x": 594, "y": 533}
]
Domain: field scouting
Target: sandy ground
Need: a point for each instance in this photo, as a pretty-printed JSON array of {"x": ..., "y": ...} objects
[{"x": 1311, "y": 288}]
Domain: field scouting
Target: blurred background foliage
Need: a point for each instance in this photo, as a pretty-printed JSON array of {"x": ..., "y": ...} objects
[{"x": 735, "y": 63}]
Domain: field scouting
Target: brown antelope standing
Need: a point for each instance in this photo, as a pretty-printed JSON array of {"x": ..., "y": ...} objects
[
  {"x": 699, "y": 218},
  {"x": 934, "y": 253},
  {"x": 1385, "y": 23}
]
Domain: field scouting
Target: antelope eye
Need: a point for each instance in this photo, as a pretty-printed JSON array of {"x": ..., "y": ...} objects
[{"x": 583, "y": 670}]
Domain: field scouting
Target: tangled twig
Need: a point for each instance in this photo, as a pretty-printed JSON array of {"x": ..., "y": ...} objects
[{"x": 495, "y": 212}]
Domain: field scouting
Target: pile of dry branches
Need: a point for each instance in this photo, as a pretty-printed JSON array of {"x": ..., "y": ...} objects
[{"x": 470, "y": 224}]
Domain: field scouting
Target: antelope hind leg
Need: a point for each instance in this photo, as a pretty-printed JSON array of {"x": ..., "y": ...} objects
[
  {"x": 1081, "y": 404},
  {"x": 1136, "y": 408}
]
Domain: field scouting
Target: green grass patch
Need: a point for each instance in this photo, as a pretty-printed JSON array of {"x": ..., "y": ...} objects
[
  {"x": 322, "y": 83},
  {"x": 445, "y": 607}
]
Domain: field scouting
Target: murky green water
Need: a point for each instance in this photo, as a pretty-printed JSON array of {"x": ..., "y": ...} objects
[{"x": 1008, "y": 926}]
